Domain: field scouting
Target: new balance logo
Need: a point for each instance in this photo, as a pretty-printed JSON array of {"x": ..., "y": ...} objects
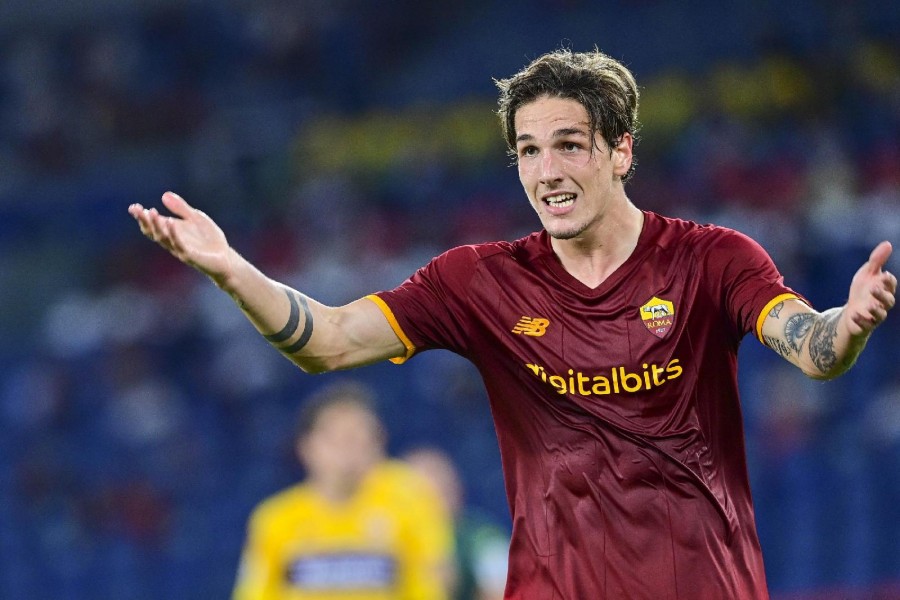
[{"x": 533, "y": 326}]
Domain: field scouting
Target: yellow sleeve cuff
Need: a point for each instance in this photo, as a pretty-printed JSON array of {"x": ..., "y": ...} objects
[
  {"x": 765, "y": 312},
  {"x": 392, "y": 320}
]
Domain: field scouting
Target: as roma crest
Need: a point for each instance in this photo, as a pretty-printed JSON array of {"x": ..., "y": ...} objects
[{"x": 658, "y": 316}]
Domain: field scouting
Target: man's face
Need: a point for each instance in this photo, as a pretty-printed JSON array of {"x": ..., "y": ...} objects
[
  {"x": 569, "y": 182},
  {"x": 344, "y": 443}
]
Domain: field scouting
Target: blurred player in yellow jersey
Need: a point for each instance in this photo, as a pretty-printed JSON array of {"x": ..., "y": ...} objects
[
  {"x": 360, "y": 527},
  {"x": 482, "y": 544}
]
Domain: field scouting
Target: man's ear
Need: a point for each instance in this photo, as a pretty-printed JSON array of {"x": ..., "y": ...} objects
[{"x": 621, "y": 155}]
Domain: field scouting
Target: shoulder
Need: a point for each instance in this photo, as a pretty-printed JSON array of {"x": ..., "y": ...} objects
[
  {"x": 401, "y": 485},
  {"x": 474, "y": 253},
  {"x": 699, "y": 238},
  {"x": 281, "y": 505},
  {"x": 396, "y": 476},
  {"x": 457, "y": 265}
]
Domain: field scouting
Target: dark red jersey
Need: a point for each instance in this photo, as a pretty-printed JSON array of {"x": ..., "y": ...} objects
[{"x": 616, "y": 408}]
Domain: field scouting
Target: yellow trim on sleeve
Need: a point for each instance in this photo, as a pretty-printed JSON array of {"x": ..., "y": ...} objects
[
  {"x": 392, "y": 320},
  {"x": 765, "y": 311}
]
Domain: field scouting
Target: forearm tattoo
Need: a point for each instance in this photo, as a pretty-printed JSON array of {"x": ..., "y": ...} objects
[
  {"x": 776, "y": 310},
  {"x": 778, "y": 345},
  {"x": 293, "y": 323},
  {"x": 820, "y": 329},
  {"x": 796, "y": 329},
  {"x": 821, "y": 342}
]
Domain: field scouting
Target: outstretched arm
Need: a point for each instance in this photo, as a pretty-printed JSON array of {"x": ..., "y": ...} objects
[
  {"x": 825, "y": 345},
  {"x": 316, "y": 337}
]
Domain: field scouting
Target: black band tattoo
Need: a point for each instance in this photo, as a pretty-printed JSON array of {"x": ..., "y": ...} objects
[
  {"x": 293, "y": 324},
  {"x": 307, "y": 330},
  {"x": 821, "y": 342},
  {"x": 796, "y": 329}
]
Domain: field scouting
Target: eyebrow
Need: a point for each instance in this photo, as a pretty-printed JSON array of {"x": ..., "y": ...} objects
[{"x": 526, "y": 137}]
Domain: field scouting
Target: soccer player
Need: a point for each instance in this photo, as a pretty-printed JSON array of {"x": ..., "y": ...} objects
[
  {"x": 607, "y": 342},
  {"x": 482, "y": 545},
  {"x": 359, "y": 527}
]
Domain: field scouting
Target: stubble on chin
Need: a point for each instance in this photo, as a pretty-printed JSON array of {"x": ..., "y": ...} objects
[
  {"x": 566, "y": 232},
  {"x": 563, "y": 235},
  {"x": 563, "y": 231}
]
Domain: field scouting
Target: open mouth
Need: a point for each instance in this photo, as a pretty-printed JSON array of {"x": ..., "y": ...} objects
[{"x": 560, "y": 200}]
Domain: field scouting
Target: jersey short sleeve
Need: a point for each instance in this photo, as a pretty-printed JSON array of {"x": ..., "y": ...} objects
[
  {"x": 750, "y": 283},
  {"x": 429, "y": 309}
]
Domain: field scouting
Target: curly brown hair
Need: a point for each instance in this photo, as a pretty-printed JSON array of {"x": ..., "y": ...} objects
[{"x": 603, "y": 85}]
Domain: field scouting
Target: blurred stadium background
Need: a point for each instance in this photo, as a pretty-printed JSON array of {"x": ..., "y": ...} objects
[{"x": 341, "y": 144}]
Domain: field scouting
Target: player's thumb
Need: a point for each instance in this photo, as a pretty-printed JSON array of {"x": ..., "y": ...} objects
[
  {"x": 176, "y": 204},
  {"x": 879, "y": 257}
]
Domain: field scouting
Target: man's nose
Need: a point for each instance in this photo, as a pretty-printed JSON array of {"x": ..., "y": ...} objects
[{"x": 550, "y": 168}]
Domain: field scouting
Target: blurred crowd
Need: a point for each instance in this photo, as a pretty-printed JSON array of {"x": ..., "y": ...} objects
[{"x": 341, "y": 144}]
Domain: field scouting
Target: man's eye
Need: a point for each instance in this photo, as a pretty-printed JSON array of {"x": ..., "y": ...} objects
[
  {"x": 570, "y": 146},
  {"x": 528, "y": 151}
]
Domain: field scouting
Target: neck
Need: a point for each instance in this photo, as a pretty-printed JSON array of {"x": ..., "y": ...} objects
[
  {"x": 593, "y": 257},
  {"x": 336, "y": 490}
]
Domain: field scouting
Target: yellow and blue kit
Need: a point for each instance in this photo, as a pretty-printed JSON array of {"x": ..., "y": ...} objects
[{"x": 391, "y": 541}]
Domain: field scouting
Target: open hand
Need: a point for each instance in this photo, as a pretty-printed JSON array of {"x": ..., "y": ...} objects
[
  {"x": 190, "y": 235},
  {"x": 872, "y": 293}
]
